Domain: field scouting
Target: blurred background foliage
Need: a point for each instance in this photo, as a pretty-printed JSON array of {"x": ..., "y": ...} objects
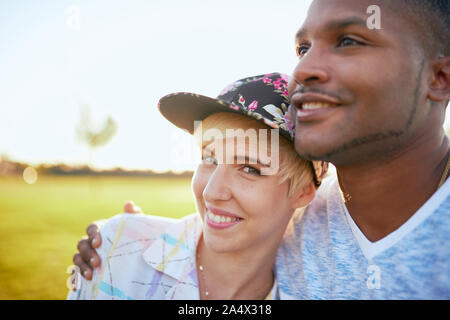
[{"x": 42, "y": 222}]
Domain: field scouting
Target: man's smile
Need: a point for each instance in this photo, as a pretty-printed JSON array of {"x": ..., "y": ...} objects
[{"x": 311, "y": 105}]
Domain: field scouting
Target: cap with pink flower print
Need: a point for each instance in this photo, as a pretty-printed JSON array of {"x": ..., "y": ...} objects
[{"x": 263, "y": 97}]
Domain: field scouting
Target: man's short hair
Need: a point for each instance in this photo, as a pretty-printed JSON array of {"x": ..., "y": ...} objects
[{"x": 433, "y": 19}]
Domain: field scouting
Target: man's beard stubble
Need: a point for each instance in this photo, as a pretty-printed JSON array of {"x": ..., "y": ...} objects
[{"x": 335, "y": 154}]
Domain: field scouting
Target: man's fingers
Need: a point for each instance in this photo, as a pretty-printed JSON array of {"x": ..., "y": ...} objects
[
  {"x": 94, "y": 235},
  {"x": 88, "y": 254},
  {"x": 130, "y": 207},
  {"x": 83, "y": 249},
  {"x": 85, "y": 270}
]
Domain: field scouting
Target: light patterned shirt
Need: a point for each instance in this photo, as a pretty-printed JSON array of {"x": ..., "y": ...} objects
[{"x": 146, "y": 257}]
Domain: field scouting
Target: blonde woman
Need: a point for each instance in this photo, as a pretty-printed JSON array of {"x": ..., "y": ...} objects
[{"x": 227, "y": 249}]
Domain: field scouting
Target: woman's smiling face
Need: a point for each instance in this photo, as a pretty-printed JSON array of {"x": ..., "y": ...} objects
[{"x": 240, "y": 207}]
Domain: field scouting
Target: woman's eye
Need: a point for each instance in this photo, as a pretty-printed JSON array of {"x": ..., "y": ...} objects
[
  {"x": 209, "y": 160},
  {"x": 251, "y": 170},
  {"x": 301, "y": 50},
  {"x": 346, "y": 41}
]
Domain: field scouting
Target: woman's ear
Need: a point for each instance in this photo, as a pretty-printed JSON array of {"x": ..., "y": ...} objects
[
  {"x": 439, "y": 89},
  {"x": 304, "y": 195}
]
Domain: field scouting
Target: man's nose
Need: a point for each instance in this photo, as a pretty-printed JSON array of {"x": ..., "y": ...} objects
[
  {"x": 218, "y": 188},
  {"x": 312, "y": 68}
]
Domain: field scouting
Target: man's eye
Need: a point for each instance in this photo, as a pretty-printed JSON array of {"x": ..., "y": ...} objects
[
  {"x": 346, "y": 41},
  {"x": 251, "y": 170},
  {"x": 301, "y": 50}
]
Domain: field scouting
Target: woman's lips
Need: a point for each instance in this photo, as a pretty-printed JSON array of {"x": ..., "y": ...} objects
[{"x": 220, "y": 219}]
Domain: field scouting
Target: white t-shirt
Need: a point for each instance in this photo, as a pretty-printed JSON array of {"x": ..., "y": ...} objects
[{"x": 324, "y": 255}]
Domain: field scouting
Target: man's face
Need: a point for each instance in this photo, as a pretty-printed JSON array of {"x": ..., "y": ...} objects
[{"x": 370, "y": 83}]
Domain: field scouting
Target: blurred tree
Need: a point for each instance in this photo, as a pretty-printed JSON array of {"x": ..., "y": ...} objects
[{"x": 91, "y": 135}]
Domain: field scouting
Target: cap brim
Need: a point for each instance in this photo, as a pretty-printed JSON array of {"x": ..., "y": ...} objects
[{"x": 183, "y": 108}]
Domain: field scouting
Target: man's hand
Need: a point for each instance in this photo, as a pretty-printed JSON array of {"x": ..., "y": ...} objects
[{"x": 87, "y": 259}]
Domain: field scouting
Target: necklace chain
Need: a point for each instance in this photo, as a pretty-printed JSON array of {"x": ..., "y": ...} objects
[
  {"x": 202, "y": 275},
  {"x": 348, "y": 197}
]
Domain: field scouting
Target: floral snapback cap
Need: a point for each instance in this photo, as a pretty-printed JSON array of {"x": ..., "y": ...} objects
[{"x": 263, "y": 98}]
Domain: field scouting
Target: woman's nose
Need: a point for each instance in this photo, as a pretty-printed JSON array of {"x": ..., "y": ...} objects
[{"x": 218, "y": 188}]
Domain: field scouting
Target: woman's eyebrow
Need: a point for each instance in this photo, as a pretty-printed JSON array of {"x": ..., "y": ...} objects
[
  {"x": 333, "y": 26},
  {"x": 249, "y": 160},
  {"x": 238, "y": 159},
  {"x": 208, "y": 147}
]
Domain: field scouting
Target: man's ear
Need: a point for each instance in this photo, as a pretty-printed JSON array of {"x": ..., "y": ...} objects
[
  {"x": 439, "y": 89},
  {"x": 304, "y": 195}
]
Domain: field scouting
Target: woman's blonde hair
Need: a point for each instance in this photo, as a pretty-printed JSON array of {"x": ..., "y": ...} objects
[{"x": 293, "y": 168}]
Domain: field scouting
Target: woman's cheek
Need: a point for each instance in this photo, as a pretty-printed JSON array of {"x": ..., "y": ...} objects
[
  {"x": 253, "y": 198},
  {"x": 270, "y": 205},
  {"x": 199, "y": 182}
]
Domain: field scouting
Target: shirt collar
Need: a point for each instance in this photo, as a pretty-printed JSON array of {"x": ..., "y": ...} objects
[
  {"x": 273, "y": 294},
  {"x": 178, "y": 242}
]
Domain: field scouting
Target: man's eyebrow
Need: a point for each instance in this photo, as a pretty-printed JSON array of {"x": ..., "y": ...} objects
[
  {"x": 302, "y": 33},
  {"x": 334, "y": 25},
  {"x": 344, "y": 23}
]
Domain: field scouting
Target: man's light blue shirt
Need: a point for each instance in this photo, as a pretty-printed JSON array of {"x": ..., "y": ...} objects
[{"x": 324, "y": 255}]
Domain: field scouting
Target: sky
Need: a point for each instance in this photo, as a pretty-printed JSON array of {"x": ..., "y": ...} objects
[{"x": 120, "y": 57}]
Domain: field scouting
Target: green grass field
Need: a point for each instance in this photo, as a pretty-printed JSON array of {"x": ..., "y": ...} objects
[{"x": 41, "y": 223}]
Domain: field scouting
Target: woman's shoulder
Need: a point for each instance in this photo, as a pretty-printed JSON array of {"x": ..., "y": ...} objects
[
  {"x": 144, "y": 220},
  {"x": 141, "y": 228},
  {"x": 136, "y": 219},
  {"x": 138, "y": 243}
]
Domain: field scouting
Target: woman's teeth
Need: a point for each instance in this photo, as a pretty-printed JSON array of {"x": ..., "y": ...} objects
[
  {"x": 221, "y": 219},
  {"x": 317, "y": 105}
]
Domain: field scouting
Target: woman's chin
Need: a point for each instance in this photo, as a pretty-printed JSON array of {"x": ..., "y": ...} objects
[{"x": 219, "y": 244}]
